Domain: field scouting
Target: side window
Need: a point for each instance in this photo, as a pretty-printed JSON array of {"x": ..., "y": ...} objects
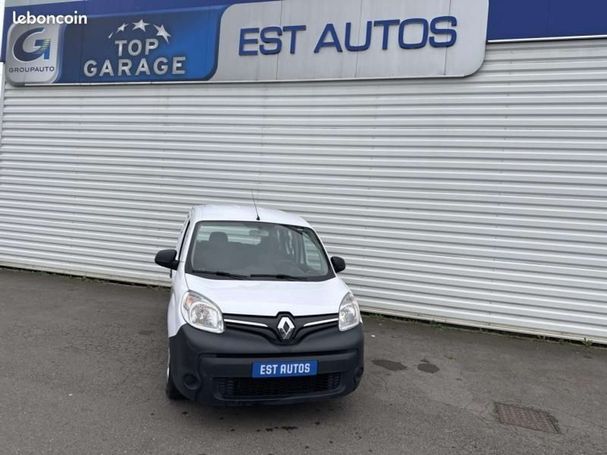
[
  {"x": 312, "y": 255},
  {"x": 182, "y": 236}
]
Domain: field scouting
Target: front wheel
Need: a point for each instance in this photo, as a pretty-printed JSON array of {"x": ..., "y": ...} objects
[{"x": 171, "y": 391}]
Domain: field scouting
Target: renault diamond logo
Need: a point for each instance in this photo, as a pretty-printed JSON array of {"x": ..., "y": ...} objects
[{"x": 285, "y": 328}]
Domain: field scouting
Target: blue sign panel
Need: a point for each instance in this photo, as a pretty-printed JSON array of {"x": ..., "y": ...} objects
[
  {"x": 126, "y": 41},
  {"x": 129, "y": 48},
  {"x": 537, "y": 19},
  {"x": 105, "y": 41}
]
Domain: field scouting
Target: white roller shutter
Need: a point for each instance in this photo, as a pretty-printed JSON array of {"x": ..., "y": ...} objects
[{"x": 480, "y": 201}]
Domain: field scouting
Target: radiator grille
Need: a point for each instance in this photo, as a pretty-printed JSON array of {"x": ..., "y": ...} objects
[{"x": 229, "y": 388}]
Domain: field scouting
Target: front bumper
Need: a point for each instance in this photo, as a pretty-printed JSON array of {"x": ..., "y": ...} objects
[{"x": 217, "y": 369}]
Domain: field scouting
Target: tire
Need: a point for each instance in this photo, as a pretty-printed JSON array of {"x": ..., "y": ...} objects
[{"x": 171, "y": 391}]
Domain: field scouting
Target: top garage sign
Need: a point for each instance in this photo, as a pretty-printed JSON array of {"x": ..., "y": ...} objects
[{"x": 236, "y": 40}]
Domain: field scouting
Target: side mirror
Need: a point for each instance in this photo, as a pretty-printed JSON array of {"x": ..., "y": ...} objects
[
  {"x": 338, "y": 264},
  {"x": 167, "y": 259}
]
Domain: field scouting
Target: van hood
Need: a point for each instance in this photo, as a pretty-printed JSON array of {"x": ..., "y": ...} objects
[{"x": 268, "y": 298}]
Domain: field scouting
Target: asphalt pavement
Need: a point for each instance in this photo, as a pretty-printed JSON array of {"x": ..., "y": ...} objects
[{"x": 82, "y": 368}]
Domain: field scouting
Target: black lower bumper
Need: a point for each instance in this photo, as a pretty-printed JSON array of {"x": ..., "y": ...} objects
[{"x": 217, "y": 369}]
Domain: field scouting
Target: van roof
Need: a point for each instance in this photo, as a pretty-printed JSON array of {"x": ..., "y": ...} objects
[{"x": 216, "y": 212}]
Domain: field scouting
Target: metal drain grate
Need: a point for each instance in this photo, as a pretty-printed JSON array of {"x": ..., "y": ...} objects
[{"x": 526, "y": 417}]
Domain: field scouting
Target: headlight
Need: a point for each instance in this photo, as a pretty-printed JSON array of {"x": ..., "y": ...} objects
[
  {"x": 349, "y": 313},
  {"x": 201, "y": 313}
]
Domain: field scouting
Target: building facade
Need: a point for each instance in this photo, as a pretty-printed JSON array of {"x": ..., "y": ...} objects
[{"x": 464, "y": 180}]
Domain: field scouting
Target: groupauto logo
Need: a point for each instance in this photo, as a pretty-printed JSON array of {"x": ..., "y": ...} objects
[{"x": 42, "y": 47}]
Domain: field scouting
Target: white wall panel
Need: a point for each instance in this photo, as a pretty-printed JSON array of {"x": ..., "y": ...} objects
[{"x": 480, "y": 201}]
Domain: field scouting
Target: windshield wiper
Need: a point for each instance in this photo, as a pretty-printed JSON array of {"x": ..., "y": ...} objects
[
  {"x": 223, "y": 274},
  {"x": 278, "y": 276}
]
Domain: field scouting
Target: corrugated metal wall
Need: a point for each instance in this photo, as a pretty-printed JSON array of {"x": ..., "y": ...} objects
[{"x": 480, "y": 201}]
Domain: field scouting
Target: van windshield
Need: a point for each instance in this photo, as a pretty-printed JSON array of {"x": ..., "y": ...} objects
[{"x": 257, "y": 251}]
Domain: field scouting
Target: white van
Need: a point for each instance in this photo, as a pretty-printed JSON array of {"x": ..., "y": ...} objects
[{"x": 257, "y": 312}]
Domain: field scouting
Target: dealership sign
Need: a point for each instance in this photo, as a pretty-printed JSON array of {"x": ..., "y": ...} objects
[{"x": 234, "y": 40}]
